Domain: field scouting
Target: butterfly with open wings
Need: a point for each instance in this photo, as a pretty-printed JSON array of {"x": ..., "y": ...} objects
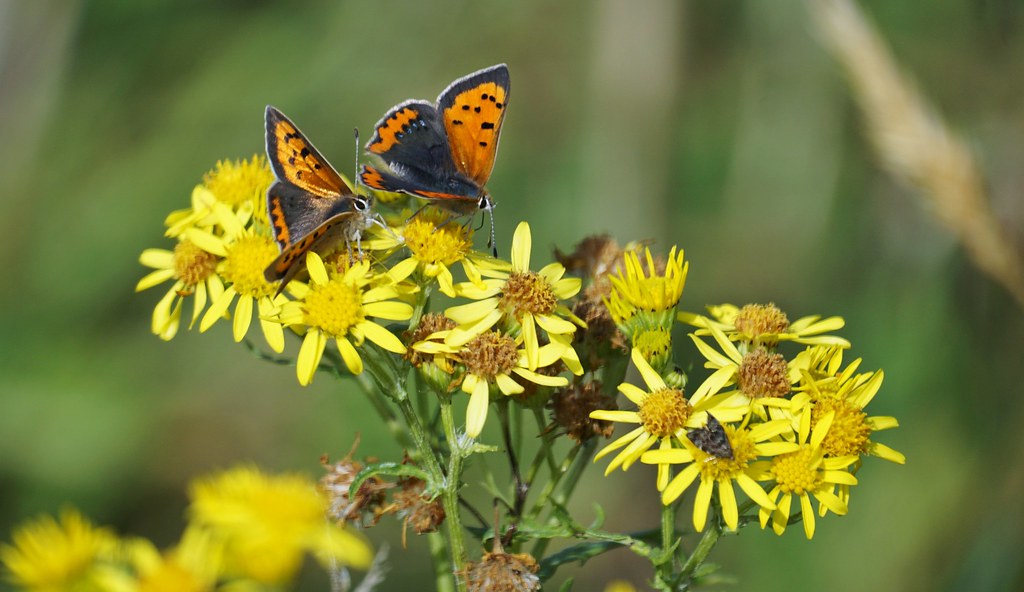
[{"x": 444, "y": 152}]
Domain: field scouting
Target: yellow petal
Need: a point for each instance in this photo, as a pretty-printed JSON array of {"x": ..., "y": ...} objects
[
  {"x": 207, "y": 241},
  {"x": 309, "y": 356},
  {"x": 679, "y": 484},
  {"x": 317, "y": 271},
  {"x": 476, "y": 411},
  {"x": 701, "y": 503},
  {"x": 508, "y": 386},
  {"x": 243, "y": 316},
  {"x": 522, "y": 242},
  {"x": 390, "y": 310},
  {"x": 218, "y": 309},
  {"x": 349, "y": 355},
  {"x": 157, "y": 258},
  {"x": 651, "y": 378},
  {"x": 272, "y": 331},
  {"x": 381, "y": 337},
  {"x": 154, "y": 278}
]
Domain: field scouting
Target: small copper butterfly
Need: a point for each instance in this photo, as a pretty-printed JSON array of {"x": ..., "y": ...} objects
[
  {"x": 444, "y": 152},
  {"x": 310, "y": 206}
]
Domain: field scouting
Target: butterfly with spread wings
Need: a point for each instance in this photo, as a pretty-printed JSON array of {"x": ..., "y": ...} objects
[
  {"x": 310, "y": 206},
  {"x": 444, "y": 152}
]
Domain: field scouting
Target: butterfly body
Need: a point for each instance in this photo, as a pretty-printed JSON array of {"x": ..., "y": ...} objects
[
  {"x": 445, "y": 151},
  {"x": 310, "y": 207}
]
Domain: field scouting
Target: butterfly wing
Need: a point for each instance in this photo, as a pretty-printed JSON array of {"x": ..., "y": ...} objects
[
  {"x": 310, "y": 207},
  {"x": 303, "y": 222},
  {"x": 296, "y": 161},
  {"x": 410, "y": 138},
  {"x": 473, "y": 109}
]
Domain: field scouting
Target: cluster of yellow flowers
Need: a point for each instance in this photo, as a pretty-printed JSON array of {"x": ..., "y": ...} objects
[
  {"x": 780, "y": 414},
  {"x": 247, "y": 530},
  {"x": 793, "y": 419}
]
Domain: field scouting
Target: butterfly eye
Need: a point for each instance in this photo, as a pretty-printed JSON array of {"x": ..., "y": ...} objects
[{"x": 360, "y": 205}]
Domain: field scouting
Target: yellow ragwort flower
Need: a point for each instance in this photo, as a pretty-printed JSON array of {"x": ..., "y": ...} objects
[
  {"x": 664, "y": 415},
  {"x": 801, "y": 469},
  {"x": 747, "y": 444},
  {"x": 339, "y": 306},
  {"x": 244, "y": 255},
  {"x": 194, "y": 565},
  {"x": 52, "y": 557},
  {"x": 524, "y": 299},
  {"x": 434, "y": 247},
  {"x": 241, "y": 185},
  {"x": 766, "y": 325},
  {"x": 194, "y": 271},
  {"x": 491, "y": 359},
  {"x": 762, "y": 378},
  {"x": 267, "y": 523},
  {"x": 641, "y": 288}
]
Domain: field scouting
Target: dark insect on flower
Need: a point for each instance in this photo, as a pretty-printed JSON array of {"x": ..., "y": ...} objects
[{"x": 711, "y": 439}]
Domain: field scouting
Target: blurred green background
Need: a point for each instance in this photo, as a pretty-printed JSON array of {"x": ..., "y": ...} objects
[{"x": 723, "y": 127}]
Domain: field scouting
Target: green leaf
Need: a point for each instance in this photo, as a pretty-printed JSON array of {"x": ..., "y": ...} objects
[{"x": 389, "y": 469}]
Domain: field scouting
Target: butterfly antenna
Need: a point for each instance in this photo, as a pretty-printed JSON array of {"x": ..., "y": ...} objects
[
  {"x": 492, "y": 243},
  {"x": 355, "y": 179}
]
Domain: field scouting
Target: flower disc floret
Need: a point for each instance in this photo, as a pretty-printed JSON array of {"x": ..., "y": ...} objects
[
  {"x": 664, "y": 412},
  {"x": 797, "y": 472},
  {"x": 849, "y": 432},
  {"x": 527, "y": 292},
  {"x": 334, "y": 307},
  {"x": 756, "y": 320},
  {"x": 192, "y": 264},
  {"x": 490, "y": 354},
  {"x": 433, "y": 244},
  {"x": 245, "y": 262},
  {"x": 763, "y": 374}
]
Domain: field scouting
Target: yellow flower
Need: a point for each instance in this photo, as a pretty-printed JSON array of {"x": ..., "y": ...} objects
[
  {"x": 491, "y": 358},
  {"x": 523, "y": 298},
  {"x": 762, "y": 378},
  {"x": 801, "y": 469},
  {"x": 266, "y": 524},
  {"x": 434, "y": 247},
  {"x": 664, "y": 415},
  {"x": 244, "y": 255},
  {"x": 52, "y": 557},
  {"x": 636, "y": 291},
  {"x": 241, "y": 185},
  {"x": 338, "y": 307},
  {"x": 747, "y": 444},
  {"x": 193, "y": 270},
  {"x": 194, "y": 565},
  {"x": 766, "y": 325}
]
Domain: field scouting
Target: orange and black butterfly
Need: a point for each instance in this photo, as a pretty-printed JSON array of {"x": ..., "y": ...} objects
[
  {"x": 444, "y": 152},
  {"x": 310, "y": 206}
]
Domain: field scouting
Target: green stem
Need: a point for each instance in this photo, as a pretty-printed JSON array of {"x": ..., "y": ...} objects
[
  {"x": 568, "y": 476},
  {"x": 700, "y": 553},
  {"x": 389, "y": 380},
  {"x": 668, "y": 535},
  {"x": 442, "y": 566},
  {"x": 450, "y": 494}
]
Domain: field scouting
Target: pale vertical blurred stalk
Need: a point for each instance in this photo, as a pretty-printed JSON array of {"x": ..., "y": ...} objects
[
  {"x": 629, "y": 124},
  {"x": 914, "y": 144}
]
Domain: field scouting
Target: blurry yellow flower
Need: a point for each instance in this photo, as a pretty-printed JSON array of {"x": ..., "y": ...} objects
[
  {"x": 193, "y": 270},
  {"x": 801, "y": 469},
  {"x": 523, "y": 298},
  {"x": 267, "y": 523},
  {"x": 747, "y": 444},
  {"x": 338, "y": 306},
  {"x": 766, "y": 325},
  {"x": 664, "y": 414},
  {"x": 52, "y": 557},
  {"x": 434, "y": 247},
  {"x": 491, "y": 358},
  {"x": 194, "y": 565},
  {"x": 244, "y": 255}
]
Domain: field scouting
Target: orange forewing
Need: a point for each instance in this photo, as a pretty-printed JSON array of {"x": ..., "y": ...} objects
[
  {"x": 302, "y": 165},
  {"x": 277, "y": 219},
  {"x": 473, "y": 123},
  {"x": 390, "y": 127}
]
